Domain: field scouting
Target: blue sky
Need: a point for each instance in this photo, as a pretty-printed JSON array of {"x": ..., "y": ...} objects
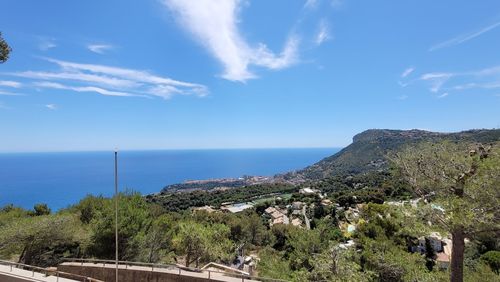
[{"x": 150, "y": 74}]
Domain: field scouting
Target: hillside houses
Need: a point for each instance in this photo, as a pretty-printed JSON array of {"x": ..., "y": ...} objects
[
  {"x": 440, "y": 246},
  {"x": 277, "y": 216},
  {"x": 292, "y": 214}
]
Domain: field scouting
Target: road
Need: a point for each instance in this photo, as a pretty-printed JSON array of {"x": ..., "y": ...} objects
[{"x": 308, "y": 223}]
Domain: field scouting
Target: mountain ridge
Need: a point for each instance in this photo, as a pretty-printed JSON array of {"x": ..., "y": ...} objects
[{"x": 369, "y": 148}]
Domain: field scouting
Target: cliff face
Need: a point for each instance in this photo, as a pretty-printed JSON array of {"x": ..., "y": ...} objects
[{"x": 369, "y": 149}]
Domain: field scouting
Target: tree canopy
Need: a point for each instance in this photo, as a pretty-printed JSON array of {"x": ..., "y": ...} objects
[
  {"x": 4, "y": 50},
  {"x": 463, "y": 181}
]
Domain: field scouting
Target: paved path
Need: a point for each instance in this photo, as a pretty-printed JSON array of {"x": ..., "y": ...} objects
[
  {"x": 308, "y": 223},
  {"x": 216, "y": 276},
  {"x": 28, "y": 275}
]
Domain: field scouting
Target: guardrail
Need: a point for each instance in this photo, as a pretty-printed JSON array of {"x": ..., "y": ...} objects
[
  {"x": 46, "y": 272},
  {"x": 181, "y": 270}
]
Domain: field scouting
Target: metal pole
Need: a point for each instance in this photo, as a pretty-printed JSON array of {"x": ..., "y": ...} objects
[{"x": 116, "y": 214}]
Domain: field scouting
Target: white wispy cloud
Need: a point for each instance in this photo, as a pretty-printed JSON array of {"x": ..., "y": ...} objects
[
  {"x": 486, "y": 79},
  {"x": 313, "y": 4},
  {"x": 78, "y": 76},
  {"x": 8, "y": 93},
  {"x": 51, "y": 107},
  {"x": 403, "y": 84},
  {"x": 46, "y": 43},
  {"x": 310, "y": 4},
  {"x": 464, "y": 37},
  {"x": 99, "y": 90},
  {"x": 10, "y": 83},
  {"x": 495, "y": 70},
  {"x": 99, "y": 48},
  {"x": 437, "y": 80},
  {"x": 443, "y": 95},
  {"x": 407, "y": 72},
  {"x": 486, "y": 85},
  {"x": 123, "y": 74},
  {"x": 110, "y": 81},
  {"x": 215, "y": 26},
  {"x": 323, "y": 32}
]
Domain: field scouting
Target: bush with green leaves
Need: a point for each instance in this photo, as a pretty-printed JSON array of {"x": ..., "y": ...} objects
[{"x": 492, "y": 258}]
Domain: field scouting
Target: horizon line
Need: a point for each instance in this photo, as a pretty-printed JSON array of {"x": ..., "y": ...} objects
[{"x": 169, "y": 149}]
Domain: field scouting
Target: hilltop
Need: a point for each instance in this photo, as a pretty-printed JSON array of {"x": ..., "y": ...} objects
[{"x": 368, "y": 151}]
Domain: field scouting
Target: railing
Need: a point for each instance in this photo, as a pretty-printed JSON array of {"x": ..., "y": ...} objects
[
  {"x": 46, "y": 272},
  {"x": 179, "y": 270}
]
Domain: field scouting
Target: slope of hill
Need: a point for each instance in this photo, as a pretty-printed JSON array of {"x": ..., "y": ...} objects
[{"x": 368, "y": 150}]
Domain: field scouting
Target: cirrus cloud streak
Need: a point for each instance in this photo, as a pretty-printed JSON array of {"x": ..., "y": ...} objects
[
  {"x": 109, "y": 81},
  {"x": 446, "y": 83}
]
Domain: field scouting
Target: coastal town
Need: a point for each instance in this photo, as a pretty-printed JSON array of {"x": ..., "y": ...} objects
[{"x": 218, "y": 184}]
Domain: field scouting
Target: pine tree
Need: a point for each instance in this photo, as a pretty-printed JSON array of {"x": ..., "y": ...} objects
[{"x": 465, "y": 180}]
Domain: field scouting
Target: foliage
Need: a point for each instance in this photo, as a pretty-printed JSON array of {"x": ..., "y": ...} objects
[
  {"x": 88, "y": 207},
  {"x": 200, "y": 243},
  {"x": 41, "y": 240},
  {"x": 41, "y": 209},
  {"x": 4, "y": 50},
  {"x": 492, "y": 258},
  {"x": 464, "y": 179},
  {"x": 336, "y": 264},
  {"x": 374, "y": 186},
  {"x": 391, "y": 262},
  {"x": 273, "y": 265},
  {"x": 481, "y": 273},
  {"x": 205, "y": 185},
  {"x": 133, "y": 217},
  {"x": 254, "y": 230},
  {"x": 156, "y": 242},
  {"x": 302, "y": 246},
  {"x": 10, "y": 213},
  {"x": 183, "y": 200}
]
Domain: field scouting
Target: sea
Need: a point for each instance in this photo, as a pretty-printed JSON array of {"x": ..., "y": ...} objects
[{"x": 62, "y": 179}]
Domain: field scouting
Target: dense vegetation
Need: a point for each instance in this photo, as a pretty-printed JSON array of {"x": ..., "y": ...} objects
[
  {"x": 373, "y": 186},
  {"x": 464, "y": 180},
  {"x": 369, "y": 150},
  {"x": 183, "y": 200},
  {"x": 4, "y": 50},
  {"x": 205, "y": 185},
  {"x": 149, "y": 233}
]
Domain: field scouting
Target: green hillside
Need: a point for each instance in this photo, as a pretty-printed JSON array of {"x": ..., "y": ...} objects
[{"x": 368, "y": 150}]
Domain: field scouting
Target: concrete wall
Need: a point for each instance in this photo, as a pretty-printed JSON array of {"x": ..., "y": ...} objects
[{"x": 127, "y": 275}]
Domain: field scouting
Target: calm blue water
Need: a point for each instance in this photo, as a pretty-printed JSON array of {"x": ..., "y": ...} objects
[{"x": 61, "y": 179}]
